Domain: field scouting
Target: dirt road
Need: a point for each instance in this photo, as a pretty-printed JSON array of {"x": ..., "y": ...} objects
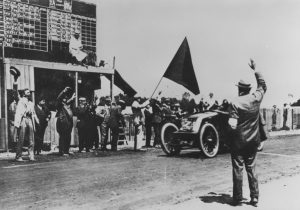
[{"x": 132, "y": 180}]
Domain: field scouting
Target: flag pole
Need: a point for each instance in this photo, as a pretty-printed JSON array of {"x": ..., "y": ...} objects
[{"x": 157, "y": 86}]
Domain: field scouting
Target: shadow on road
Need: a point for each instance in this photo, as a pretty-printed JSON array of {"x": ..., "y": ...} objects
[
  {"x": 220, "y": 198},
  {"x": 216, "y": 198}
]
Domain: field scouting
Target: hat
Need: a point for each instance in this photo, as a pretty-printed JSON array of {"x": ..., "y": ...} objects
[
  {"x": 107, "y": 98},
  {"x": 242, "y": 84},
  {"x": 15, "y": 72},
  {"x": 121, "y": 102},
  {"x": 82, "y": 99}
]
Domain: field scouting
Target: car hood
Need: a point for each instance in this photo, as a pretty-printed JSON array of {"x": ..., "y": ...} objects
[{"x": 203, "y": 115}]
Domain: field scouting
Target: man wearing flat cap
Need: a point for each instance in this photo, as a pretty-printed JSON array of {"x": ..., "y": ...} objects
[{"x": 245, "y": 136}]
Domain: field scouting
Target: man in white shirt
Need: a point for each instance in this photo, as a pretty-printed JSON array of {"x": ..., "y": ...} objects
[
  {"x": 76, "y": 48},
  {"x": 25, "y": 118}
]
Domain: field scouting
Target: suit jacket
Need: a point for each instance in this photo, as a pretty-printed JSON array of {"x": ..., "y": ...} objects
[
  {"x": 64, "y": 121},
  {"x": 43, "y": 114},
  {"x": 115, "y": 117},
  {"x": 246, "y": 110},
  {"x": 82, "y": 114}
]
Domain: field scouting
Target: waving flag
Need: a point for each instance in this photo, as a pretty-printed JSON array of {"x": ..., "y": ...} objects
[{"x": 181, "y": 69}]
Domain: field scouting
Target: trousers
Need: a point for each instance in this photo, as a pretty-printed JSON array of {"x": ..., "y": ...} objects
[
  {"x": 247, "y": 157},
  {"x": 25, "y": 130},
  {"x": 64, "y": 142}
]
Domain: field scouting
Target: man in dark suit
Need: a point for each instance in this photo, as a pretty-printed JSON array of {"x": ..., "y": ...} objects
[
  {"x": 148, "y": 124},
  {"x": 246, "y": 137},
  {"x": 115, "y": 120},
  {"x": 64, "y": 123},
  {"x": 44, "y": 116},
  {"x": 82, "y": 114}
]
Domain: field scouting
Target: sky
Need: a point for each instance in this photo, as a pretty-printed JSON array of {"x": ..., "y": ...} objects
[{"x": 144, "y": 35}]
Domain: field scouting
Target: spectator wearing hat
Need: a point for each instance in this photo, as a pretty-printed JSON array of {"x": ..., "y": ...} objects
[
  {"x": 104, "y": 113},
  {"x": 44, "y": 115},
  {"x": 148, "y": 124},
  {"x": 245, "y": 136},
  {"x": 115, "y": 120},
  {"x": 138, "y": 117},
  {"x": 76, "y": 48},
  {"x": 82, "y": 114},
  {"x": 11, "y": 117},
  {"x": 64, "y": 123},
  {"x": 24, "y": 123},
  {"x": 156, "y": 120}
]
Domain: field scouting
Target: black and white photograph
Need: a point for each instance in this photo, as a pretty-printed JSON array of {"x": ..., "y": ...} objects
[{"x": 149, "y": 105}]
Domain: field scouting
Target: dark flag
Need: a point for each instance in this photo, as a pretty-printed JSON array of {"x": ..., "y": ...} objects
[{"x": 181, "y": 69}]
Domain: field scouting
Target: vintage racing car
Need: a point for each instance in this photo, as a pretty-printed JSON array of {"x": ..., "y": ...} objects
[{"x": 207, "y": 131}]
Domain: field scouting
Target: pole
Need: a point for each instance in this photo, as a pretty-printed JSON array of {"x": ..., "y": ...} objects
[
  {"x": 156, "y": 86},
  {"x": 5, "y": 107},
  {"x": 76, "y": 88},
  {"x": 112, "y": 80}
]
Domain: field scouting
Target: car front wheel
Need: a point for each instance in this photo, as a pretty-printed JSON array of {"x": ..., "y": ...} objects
[
  {"x": 209, "y": 140},
  {"x": 168, "y": 143}
]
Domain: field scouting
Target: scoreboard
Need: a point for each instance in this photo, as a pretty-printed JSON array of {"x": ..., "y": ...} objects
[{"x": 42, "y": 25}]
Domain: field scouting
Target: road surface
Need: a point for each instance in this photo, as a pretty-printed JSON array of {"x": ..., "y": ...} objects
[{"x": 132, "y": 180}]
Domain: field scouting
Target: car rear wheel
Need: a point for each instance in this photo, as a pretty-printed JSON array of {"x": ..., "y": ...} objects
[
  {"x": 209, "y": 140},
  {"x": 168, "y": 143}
]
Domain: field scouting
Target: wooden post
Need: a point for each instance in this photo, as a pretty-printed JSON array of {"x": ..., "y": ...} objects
[
  {"x": 112, "y": 80},
  {"x": 135, "y": 136},
  {"x": 292, "y": 119},
  {"x": 5, "y": 102},
  {"x": 76, "y": 88}
]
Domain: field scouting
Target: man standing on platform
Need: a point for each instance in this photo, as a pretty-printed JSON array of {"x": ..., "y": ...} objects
[
  {"x": 25, "y": 118},
  {"x": 76, "y": 48}
]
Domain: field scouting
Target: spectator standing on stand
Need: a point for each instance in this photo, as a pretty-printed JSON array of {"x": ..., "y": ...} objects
[
  {"x": 76, "y": 48},
  {"x": 64, "y": 123}
]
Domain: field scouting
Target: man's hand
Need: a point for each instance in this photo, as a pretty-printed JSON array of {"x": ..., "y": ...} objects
[
  {"x": 73, "y": 96},
  {"x": 252, "y": 64},
  {"x": 67, "y": 89}
]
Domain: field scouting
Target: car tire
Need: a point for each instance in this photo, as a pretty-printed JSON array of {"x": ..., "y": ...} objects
[
  {"x": 209, "y": 140},
  {"x": 166, "y": 138}
]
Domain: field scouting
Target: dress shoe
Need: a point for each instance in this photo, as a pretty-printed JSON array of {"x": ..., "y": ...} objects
[
  {"x": 254, "y": 202},
  {"x": 236, "y": 202},
  {"x": 19, "y": 159}
]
